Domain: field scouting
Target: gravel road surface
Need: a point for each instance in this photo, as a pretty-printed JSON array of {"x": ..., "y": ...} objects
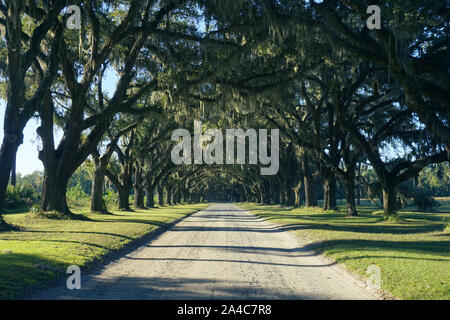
[{"x": 222, "y": 252}]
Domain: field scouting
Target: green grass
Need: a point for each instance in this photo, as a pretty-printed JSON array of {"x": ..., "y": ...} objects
[
  {"x": 445, "y": 204},
  {"x": 413, "y": 253},
  {"x": 43, "y": 248}
]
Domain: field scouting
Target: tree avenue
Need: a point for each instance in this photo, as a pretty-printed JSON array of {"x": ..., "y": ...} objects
[{"x": 360, "y": 112}]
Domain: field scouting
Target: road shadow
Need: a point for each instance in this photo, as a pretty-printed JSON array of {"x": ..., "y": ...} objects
[
  {"x": 380, "y": 229},
  {"x": 160, "y": 288}
]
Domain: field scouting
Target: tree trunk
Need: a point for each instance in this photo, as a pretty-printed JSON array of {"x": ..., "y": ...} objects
[
  {"x": 358, "y": 194},
  {"x": 182, "y": 196},
  {"x": 350, "y": 196},
  {"x": 150, "y": 198},
  {"x": 178, "y": 197},
  {"x": 289, "y": 194},
  {"x": 61, "y": 163},
  {"x": 161, "y": 196},
  {"x": 259, "y": 194},
  {"x": 359, "y": 189},
  {"x": 389, "y": 200},
  {"x": 58, "y": 166},
  {"x": 124, "y": 198},
  {"x": 174, "y": 197},
  {"x": 8, "y": 153},
  {"x": 13, "y": 171},
  {"x": 97, "y": 202},
  {"x": 281, "y": 196},
  {"x": 265, "y": 197},
  {"x": 138, "y": 189},
  {"x": 169, "y": 196},
  {"x": 54, "y": 191},
  {"x": 139, "y": 197},
  {"x": 308, "y": 181},
  {"x": 329, "y": 188},
  {"x": 326, "y": 196},
  {"x": 297, "y": 197}
]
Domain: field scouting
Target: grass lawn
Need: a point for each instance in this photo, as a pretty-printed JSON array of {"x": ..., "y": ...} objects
[
  {"x": 413, "y": 254},
  {"x": 42, "y": 250}
]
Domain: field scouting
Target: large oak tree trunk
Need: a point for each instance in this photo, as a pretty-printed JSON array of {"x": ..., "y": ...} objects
[
  {"x": 13, "y": 124},
  {"x": 8, "y": 153},
  {"x": 308, "y": 181},
  {"x": 310, "y": 193},
  {"x": 138, "y": 189},
  {"x": 124, "y": 198},
  {"x": 297, "y": 195},
  {"x": 266, "y": 192},
  {"x": 150, "y": 198},
  {"x": 389, "y": 200},
  {"x": 54, "y": 190},
  {"x": 329, "y": 189},
  {"x": 178, "y": 197},
  {"x": 61, "y": 163},
  {"x": 350, "y": 196},
  {"x": 139, "y": 197},
  {"x": 97, "y": 203},
  {"x": 161, "y": 196},
  {"x": 169, "y": 196}
]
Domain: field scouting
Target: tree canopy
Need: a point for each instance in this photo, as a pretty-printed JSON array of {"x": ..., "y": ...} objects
[{"x": 343, "y": 96}]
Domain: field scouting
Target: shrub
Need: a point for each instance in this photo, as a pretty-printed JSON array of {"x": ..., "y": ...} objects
[
  {"x": 423, "y": 201},
  {"x": 420, "y": 198},
  {"x": 22, "y": 196},
  {"x": 110, "y": 199},
  {"x": 77, "y": 197}
]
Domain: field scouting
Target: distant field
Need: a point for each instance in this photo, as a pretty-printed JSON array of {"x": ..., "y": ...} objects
[
  {"x": 44, "y": 248},
  {"x": 413, "y": 254}
]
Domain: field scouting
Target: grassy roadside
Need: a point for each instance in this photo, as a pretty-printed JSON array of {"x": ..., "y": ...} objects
[
  {"x": 413, "y": 254},
  {"x": 42, "y": 250}
]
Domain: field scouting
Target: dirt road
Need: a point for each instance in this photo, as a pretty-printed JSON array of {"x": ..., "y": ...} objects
[{"x": 222, "y": 252}]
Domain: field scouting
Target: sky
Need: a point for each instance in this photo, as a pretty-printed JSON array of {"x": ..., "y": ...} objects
[{"x": 27, "y": 156}]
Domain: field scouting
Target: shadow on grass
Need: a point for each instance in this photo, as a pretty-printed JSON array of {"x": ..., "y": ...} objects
[
  {"x": 43, "y": 232},
  {"x": 378, "y": 229},
  {"x": 392, "y": 257},
  {"x": 59, "y": 241},
  {"x": 441, "y": 248},
  {"x": 54, "y": 215},
  {"x": 361, "y": 224},
  {"x": 424, "y": 216},
  {"x": 20, "y": 273},
  {"x": 5, "y": 227},
  {"x": 374, "y": 229},
  {"x": 131, "y": 220}
]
